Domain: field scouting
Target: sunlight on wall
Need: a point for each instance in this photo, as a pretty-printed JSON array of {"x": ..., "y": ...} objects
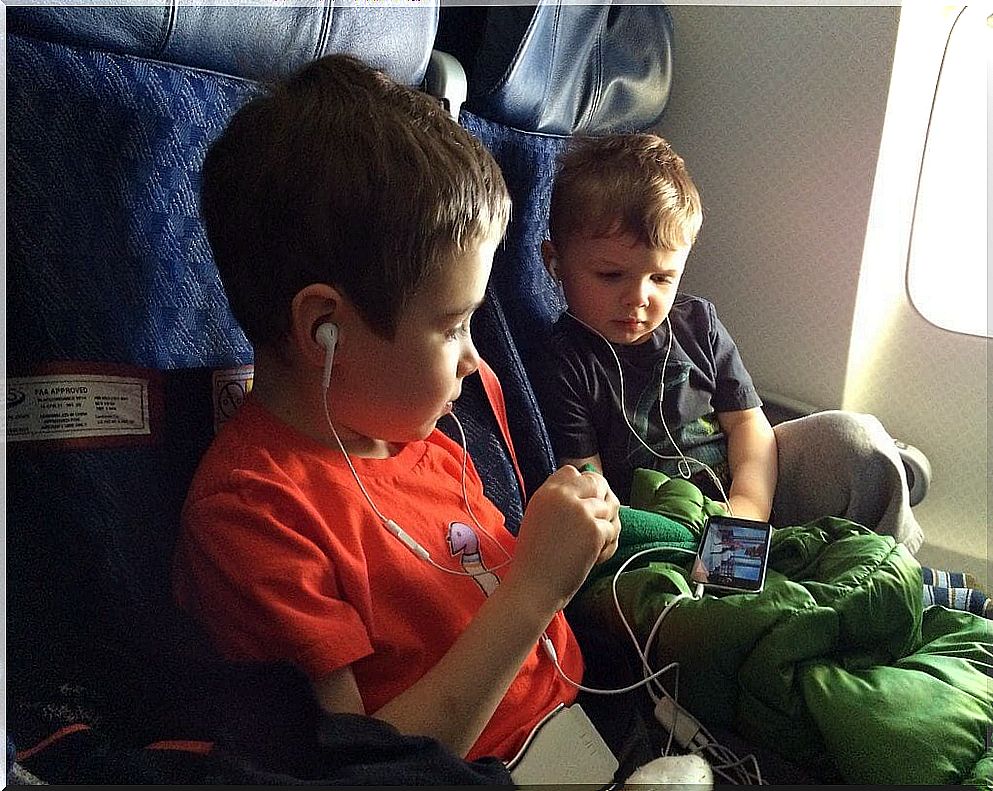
[
  {"x": 949, "y": 244},
  {"x": 927, "y": 384}
]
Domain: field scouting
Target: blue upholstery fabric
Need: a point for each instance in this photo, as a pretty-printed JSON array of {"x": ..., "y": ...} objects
[
  {"x": 107, "y": 261},
  {"x": 527, "y": 294},
  {"x": 107, "y": 258}
]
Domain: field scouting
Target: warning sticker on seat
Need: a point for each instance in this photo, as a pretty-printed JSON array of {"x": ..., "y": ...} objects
[
  {"x": 76, "y": 406},
  {"x": 231, "y": 386}
]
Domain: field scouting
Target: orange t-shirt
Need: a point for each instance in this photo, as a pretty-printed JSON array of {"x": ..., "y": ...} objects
[{"x": 281, "y": 558}]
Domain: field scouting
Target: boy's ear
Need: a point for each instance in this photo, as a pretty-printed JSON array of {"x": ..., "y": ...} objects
[
  {"x": 551, "y": 258},
  {"x": 313, "y": 306}
]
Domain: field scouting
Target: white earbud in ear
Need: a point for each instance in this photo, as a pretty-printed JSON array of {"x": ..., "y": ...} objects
[
  {"x": 327, "y": 336},
  {"x": 553, "y": 269}
]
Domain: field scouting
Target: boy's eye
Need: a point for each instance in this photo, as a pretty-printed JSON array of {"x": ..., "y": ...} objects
[
  {"x": 663, "y": 279},
  {"x": 459, "y": 331},
  {"x": 609, "y": 276}
]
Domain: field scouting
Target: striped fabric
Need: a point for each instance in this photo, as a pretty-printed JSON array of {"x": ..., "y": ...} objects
[
  {"x": 947, "y": 579},
  {"x": 955, "y": 590}
]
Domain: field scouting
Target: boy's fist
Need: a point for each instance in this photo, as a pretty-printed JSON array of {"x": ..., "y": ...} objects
[{"x": 570, "y": 524}]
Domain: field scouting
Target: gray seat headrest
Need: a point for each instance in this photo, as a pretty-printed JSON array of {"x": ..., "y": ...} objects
[
  {"x": 564, "y": 69},
  {"x": 255, "y": 42}
]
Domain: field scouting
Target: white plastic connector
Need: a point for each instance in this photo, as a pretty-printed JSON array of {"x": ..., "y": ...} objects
[
  {"x": 445, "y": 79},
  {"x": 683, "y": 726},
  {"x": 406, "y": 540},
  {"x": 546, "y": 643}
]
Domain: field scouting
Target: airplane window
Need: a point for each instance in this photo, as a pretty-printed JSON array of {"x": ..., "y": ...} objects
[{"x": 947, "y": 259}]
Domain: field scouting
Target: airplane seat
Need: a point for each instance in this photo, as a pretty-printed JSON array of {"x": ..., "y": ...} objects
[
  {"x": 123, "y": 357},
  {"x": 537, "y": 75}
]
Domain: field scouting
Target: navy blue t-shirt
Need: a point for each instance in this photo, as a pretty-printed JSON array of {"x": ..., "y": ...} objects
[{"x": 580, "y": 392}]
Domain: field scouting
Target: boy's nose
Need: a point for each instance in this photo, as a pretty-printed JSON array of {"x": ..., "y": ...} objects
[
  {"x": 469, "y": 359},
  {"x": 636, "y": 295}
]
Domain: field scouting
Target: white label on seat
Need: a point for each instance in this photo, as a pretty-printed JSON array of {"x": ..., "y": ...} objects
[{"x": 66, "y": 406}]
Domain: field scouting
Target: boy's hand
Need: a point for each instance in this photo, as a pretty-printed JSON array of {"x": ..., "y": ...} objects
[{"x": 570, "y": 524}]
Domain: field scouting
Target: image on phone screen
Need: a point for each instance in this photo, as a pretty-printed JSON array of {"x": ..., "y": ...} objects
[{"x": 733, "y": 554}]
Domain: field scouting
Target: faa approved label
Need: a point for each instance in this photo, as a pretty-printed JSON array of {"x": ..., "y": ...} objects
[{"x": 76, "y": 406}]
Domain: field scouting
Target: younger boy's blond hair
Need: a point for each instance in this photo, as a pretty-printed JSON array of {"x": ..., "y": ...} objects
[{"x": 631, "y": 183}]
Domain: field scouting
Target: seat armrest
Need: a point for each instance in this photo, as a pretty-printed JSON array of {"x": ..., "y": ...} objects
[{"x": 445, "y": 79}]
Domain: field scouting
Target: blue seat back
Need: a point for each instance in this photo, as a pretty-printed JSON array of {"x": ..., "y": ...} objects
[{"x": 107, "y": 263}]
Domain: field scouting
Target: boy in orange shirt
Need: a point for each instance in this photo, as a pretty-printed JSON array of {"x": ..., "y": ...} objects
[{"x": 354, "y": 225}]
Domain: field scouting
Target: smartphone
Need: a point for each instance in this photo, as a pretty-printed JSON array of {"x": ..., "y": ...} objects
[{"x": 733, "y": 554}]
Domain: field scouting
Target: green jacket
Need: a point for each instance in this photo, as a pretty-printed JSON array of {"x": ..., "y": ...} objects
[{"x": 835, "y": 664}]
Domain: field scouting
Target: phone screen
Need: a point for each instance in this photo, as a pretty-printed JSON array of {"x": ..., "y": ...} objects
[{"x": 733, "y": 554}]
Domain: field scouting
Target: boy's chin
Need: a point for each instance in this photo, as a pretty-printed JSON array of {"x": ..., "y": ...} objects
[
  {"x": 424, "y": 430},
  {"x": 630, "y": 338},
  {"x": 427, "y": 431}
]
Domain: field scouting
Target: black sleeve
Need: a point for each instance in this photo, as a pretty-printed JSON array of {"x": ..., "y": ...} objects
[
  {"x": 565, "y": 397},
  {"x": 735, "y": 389}
]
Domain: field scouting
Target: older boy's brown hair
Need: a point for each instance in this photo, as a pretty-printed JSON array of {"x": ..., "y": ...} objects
[
  {"x": 632, "y": 183},
  {"x": 341, "y": 176}
]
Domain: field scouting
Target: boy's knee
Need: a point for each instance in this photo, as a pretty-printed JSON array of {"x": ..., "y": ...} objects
[
  {"x": 859, "y": 433},
  {"x": 857, "y": 423}
]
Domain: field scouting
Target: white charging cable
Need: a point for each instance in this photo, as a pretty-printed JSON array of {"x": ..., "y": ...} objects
[{"x": 650, "y": 674}]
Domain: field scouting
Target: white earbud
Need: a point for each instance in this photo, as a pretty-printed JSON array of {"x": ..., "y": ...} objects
[{"x": 327, "y": 336}]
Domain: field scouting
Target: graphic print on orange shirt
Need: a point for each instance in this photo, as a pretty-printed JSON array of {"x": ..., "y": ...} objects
[{"x": 462, "y": 540}]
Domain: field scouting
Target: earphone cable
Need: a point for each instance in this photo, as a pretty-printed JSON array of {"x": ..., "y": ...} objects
[
  {"x": 391, "y": 526},
  {"x": 545, "y": 640},
  {"x": 465, "y": 494},
  {"x": 682, "y": 458}
]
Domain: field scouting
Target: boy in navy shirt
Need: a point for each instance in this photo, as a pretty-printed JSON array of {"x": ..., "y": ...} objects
[{"x": 641, "y": 375}]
